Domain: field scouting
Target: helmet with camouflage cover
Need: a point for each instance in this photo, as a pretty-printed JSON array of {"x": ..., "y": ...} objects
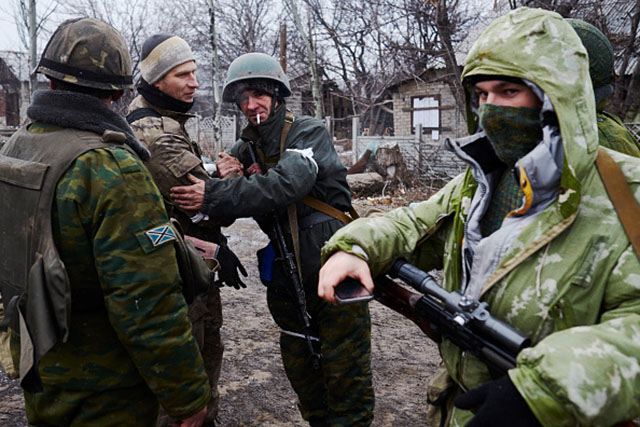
[
  {"x": 87, "y": 52},
  {"x": 255, "y": 71},
  {"x": 600, "y": 53}
]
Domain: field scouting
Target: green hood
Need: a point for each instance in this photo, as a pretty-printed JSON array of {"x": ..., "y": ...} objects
[{"x": 541, "y": 47}]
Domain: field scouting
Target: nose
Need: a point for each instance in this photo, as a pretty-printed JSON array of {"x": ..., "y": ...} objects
[
  {"x": 252, "y": 102},
  {"x": 193, "y": 81}
]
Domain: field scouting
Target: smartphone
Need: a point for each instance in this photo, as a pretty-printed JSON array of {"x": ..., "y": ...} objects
[{"x": 351, "y": 291}]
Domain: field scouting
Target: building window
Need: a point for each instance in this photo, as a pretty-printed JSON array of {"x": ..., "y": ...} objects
[{"x": 425, "y": 110}]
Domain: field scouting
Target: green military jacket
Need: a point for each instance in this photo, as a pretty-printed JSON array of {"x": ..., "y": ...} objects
[
  {"x": 128, "y": 320},
  {"x": 613, "y": 134},
  {"x": 568, "y": 278}
]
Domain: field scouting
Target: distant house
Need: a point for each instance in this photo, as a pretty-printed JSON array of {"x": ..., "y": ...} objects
[
  {"x": 14, "y": 87},
  {"x": 426, "y": 100}
]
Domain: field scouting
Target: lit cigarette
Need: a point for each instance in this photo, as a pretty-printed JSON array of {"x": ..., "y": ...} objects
[{"x": 258, "y": 118}]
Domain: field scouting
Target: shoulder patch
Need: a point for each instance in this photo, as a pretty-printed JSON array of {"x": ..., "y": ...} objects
[{"x": 161, "y": 234}]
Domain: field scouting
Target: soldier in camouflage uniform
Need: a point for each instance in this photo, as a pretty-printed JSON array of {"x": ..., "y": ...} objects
[
  {"x": 157, "y": 116},
  {"x": 101, "y": 335},
  {"x": 297, "y": 159},
  {"x": 611, "y": 131},
  {"x": 553, "y": 261}
]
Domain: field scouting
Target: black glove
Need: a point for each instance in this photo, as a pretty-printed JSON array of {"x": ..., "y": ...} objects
[
  {"x": 229, "y": 267},
  {"x": 497, "y": 403}
]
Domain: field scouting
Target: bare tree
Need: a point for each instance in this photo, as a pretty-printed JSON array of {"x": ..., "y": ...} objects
[
  {"x": 30, "y": 26},
  {"x": 130, "y": 18},
  {"x": 311, "y": 56}
]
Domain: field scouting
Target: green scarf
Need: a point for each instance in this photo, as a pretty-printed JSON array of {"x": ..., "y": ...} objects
[{"x": 512, "y": 131}]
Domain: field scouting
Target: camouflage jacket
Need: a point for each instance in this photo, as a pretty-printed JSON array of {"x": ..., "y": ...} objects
[
  {"x": 613, "y": 134},
  {"x": 128, "y": 318},
  {"x": 173, "y": 155},
  {"x": 560, "y": 269}
]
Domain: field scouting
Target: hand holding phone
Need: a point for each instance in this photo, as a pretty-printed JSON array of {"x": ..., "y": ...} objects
[{"x": 351, "y": 291}]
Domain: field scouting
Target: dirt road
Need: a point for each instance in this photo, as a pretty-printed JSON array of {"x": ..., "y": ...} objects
[{"x": 253, "y": 387}]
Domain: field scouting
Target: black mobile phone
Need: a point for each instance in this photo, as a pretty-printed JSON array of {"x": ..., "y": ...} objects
[{"x": 350, "y": 291}]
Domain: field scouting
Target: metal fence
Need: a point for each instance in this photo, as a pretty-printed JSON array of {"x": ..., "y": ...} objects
[{"x": 205, "y": 129}]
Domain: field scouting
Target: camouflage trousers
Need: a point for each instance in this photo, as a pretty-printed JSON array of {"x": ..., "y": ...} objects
[
  {"x": 340, "y": 392},
  {"x": 205, "y": 313},
  {"x": 126, "y": 406}
]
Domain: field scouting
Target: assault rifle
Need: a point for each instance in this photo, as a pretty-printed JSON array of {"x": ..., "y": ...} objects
[
  {"x": 291, "y": 269},
  {"x": 439, "y": 313}
]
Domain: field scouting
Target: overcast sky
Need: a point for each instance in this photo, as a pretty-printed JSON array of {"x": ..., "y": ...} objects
[{"x": 9, "y": 37}]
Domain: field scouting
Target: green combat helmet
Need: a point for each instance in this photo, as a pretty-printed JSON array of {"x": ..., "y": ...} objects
[
  {"x": 87, "y": 52},
  {"x": 601, "y": 57},
  {"x": 254, "y": 66}
]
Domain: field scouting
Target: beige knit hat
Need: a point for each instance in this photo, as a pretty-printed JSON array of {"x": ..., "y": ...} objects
[{"x": 162, "y": 52}]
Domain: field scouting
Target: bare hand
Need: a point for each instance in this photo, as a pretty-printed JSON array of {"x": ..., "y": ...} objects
[
  {"x": 189, "y": 197},
  {"x": 228, "y": 165},
  {"x": 195, "y": 420},
  {"x": 338, "y": 267}
]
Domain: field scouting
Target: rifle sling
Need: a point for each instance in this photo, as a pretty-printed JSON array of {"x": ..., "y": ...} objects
[
  {"x": 310, "y": 201},
  {"x": 620, "y": 194}
]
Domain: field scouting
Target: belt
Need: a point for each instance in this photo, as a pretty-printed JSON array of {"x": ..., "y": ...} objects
[{"x": 313, "y": 219}]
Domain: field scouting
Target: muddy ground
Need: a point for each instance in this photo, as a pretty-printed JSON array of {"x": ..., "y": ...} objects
[{"x": 254, "y": 389}]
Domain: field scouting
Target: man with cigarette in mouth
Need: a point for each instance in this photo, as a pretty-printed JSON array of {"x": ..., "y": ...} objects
[{"x": 293, "y": 178}]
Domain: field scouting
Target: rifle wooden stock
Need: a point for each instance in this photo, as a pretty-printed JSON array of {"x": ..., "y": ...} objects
[{"x": 402, "y": 300}]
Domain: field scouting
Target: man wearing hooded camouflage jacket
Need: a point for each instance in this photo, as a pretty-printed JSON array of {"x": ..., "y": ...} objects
[{"x": 553, "y": 261}]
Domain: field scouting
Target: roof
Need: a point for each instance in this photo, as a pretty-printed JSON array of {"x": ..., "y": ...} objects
[{"x": 18, "y": 62}]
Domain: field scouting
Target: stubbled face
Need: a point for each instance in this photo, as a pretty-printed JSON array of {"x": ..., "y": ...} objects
[
  {"x": 181, "y": 82},
  {"x": 506, "y": 94},
  {"x": 256, "y": 105}
]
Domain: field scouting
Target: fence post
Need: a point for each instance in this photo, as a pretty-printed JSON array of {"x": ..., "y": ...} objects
[
  {"x": 328, "y": 123},
  {"x": 418, "y": 143},
  {"x": 355, "y": 128}
]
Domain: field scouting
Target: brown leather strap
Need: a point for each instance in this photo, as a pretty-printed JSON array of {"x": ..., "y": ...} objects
[
  {"x": 327, "y": 209},
  {"x": 623, "y": 200},
  {"x": 292, "y": 211}
]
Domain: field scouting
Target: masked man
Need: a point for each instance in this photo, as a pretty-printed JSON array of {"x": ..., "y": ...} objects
[{"x": 529, "y": 229}]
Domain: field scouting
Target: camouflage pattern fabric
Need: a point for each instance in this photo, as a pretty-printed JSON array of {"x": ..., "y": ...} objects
[
  {"x": 569, "y": 279},
  {"x": 174, "y": 155},
  {"x": 124, "y": 284},
  {"x": 613, "y": 134},
  {"x": 340, "y": 393},
  {"x": 88, "y": 52},
  {"x": 506, "y": 197},
  {"x": 5, "y": 352}
]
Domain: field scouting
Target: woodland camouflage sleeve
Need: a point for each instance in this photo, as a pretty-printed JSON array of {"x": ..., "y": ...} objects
[{"x": 138, "y": 273}]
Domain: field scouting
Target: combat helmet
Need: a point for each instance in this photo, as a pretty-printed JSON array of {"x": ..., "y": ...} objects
[
  {"x": 87, "y": 52},
  {"x": 255, "y": 69},
  {"x": 601, "y": 60}
]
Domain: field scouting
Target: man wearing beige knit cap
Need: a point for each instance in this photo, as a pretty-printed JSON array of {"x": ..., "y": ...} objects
[{"x": 167, "y": 89}]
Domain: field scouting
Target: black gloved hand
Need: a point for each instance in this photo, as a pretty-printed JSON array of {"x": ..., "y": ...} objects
[
  {"x": 229, "y": 267},
  {"x": 497, "y": 403}
]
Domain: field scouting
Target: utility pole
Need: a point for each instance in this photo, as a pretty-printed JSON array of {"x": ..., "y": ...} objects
[
  {"x": 283, "y": 46},
  {"x": 215, "y": 81},
  {"x": 33, "y": 46}
]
